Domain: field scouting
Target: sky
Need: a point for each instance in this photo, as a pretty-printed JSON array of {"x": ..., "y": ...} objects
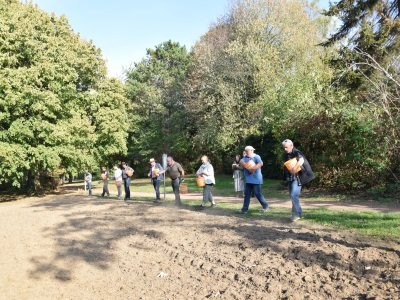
[{"x": 124, "y": 29}]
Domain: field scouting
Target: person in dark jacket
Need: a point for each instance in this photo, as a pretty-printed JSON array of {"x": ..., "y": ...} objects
[{"x": 296, "y": 174}]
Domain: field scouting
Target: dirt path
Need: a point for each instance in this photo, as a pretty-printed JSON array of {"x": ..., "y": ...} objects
[
  {"x": 76, "y": 247},
  {"x": 305, "y": 203}
]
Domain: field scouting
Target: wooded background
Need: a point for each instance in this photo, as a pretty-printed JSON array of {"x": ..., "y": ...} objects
[{"x": 268, "y": 70}]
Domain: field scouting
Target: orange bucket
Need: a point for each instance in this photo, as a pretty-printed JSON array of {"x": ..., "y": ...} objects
[
  {"x": 200, "y": 181},
  {"x": 249, "y": 164},
  {"x": 291, "y": 163},
  {"x": 183, "y": 188}
]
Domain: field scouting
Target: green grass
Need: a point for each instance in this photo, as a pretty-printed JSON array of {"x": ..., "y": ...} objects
[
  {"x": 378, "y": 224},
  {"x": 369, "y": 223}
]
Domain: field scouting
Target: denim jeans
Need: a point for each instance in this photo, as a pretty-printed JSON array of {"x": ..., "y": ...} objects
[
  {"x": 89, "y": 187},
  {"x": 175, "y": 187},
  {"x": 127, "y": 183},
  {"x": 207, "y": 194},
  {"x": 156, "y": 184},
  {"x": 294, "y": 191},
  {"x": 256, "y": 188}
]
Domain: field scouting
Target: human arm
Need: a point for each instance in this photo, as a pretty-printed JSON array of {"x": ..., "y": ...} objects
[{"x": 299, "y": 163}]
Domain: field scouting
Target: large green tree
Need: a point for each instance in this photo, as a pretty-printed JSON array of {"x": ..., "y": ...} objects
[
  {"x": 58, "y": 111},
  {"x": 154, "y": 87},
  {"x": 257, "y": 71}
]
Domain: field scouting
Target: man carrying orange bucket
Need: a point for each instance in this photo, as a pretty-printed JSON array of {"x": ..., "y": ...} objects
[
  {"x": 206, "y": 179},
  {"x": 252, "y": 164}
]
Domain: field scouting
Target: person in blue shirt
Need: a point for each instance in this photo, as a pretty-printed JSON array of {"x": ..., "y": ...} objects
[{"x": 252, "y": 164}]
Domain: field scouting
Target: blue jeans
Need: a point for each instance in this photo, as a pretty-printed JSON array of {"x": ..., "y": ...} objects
[
  {"x": 294, "y": 191},
  {"x": 256, "y": 188},
  {"x": 156, "y": 184},
  {"x": 89, "y": 187},
  {"x": 127, "y": 183},
  {"x": 175, "y": 187}
]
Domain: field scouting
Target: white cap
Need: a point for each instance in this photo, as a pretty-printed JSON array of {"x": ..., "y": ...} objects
[
  {"x": 151, "y": 160},
  {"x": 249, "y": 148}
]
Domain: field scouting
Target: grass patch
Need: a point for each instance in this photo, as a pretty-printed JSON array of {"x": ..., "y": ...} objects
[{"x": 369, "y": 223}]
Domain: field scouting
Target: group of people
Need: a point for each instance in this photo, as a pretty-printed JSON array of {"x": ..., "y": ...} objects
[
  {"x": 247, "y": 177},
  {"x": 122, "y": 176}
]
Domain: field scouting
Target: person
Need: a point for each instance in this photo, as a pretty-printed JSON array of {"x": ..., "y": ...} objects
[
  {"x": 127, "y": 172},
  {"x": 238, "y": 176},
  {"x": 294, "y": 178},
  {"x": 118, "y": 180},
  {"x": 156, "y": 177},
  {"x": 176, "y": 173},
  {"x": 88, "y": 181},
  {"x": 253, "y": 179},
  {"x": 206, "y": 170},
  {"x": 104, "y": 178}
]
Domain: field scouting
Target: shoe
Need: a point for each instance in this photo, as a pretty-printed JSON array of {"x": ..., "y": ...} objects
[
  {"x": 242, "y": 212},
  {"x": 157, "y": 201},
  {"x": 264, "y": 210},
  {"x": 295, "y": 218},
  {"x": 201, "y": 207},
  {"x": 213, "y": 205}
]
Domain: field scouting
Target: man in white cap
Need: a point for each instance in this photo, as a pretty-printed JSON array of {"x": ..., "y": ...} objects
[
  {"x": 253, "y": 179},
  {"x": 156, "y": 177}
]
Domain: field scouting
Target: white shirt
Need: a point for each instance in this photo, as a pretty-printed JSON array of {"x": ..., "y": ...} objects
[
  {"x": 118, "y": 174},
  {"x": 208, "y": 173}
]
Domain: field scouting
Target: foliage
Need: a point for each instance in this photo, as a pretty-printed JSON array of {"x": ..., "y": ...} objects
[
  {"x": 255, "y": 71},
  {"x": 56, "y": 105},
  {"x": 366, "y": 67},
  {"x": 154, "y": 87}
]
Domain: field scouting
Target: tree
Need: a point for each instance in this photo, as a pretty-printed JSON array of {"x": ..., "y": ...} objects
[
  {"x": 154, "y": 87},
  {"x": 255, "y": 69},
  {"x": 54, "y": 98},
  {"x": 367, "y": 69}
]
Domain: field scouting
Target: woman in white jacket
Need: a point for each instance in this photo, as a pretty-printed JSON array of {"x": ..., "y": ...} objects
[{"x": 206, "y": 170}]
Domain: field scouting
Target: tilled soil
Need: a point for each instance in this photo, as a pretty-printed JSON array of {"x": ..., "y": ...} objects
[{"x": 76, "y": 247}]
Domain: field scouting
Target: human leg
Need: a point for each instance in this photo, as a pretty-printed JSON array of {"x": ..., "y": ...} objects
[
  {"x": 294, "y": 191},
  {"x": 260, "y": 196},
  {"x": 89, "y": 187},
  {"x": 119, "y": 189},
  {"x": 127, "y": 183},
  {"x": 175, "y": 188},
  {"x": 247, "y": 192},
  {"x": 107, "y": 191},
  {"x": 156, "y": 185}
]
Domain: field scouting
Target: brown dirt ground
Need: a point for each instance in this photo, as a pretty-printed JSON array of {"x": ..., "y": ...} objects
[{"x": 72, "y": 246}]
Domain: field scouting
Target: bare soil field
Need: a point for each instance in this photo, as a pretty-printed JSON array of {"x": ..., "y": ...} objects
[{"x": 73, "y": 246}]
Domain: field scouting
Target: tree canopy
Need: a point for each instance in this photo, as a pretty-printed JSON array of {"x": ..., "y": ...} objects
[{"x": 58, "y": 110}]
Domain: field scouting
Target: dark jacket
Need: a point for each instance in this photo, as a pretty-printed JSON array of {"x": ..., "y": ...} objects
[{"x": 306, "y": 174}]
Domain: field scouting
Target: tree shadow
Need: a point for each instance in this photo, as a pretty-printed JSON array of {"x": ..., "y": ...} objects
[{"x": 89, "y": 235}]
